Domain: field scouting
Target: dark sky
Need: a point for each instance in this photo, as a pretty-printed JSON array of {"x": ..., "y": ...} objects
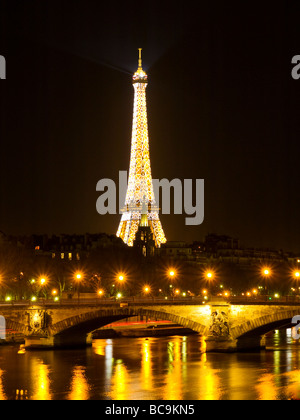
[{"x": 222, "y": 106}]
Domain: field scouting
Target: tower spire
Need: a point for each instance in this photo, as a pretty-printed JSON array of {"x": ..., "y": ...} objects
[{"x": 140, "y": 59}]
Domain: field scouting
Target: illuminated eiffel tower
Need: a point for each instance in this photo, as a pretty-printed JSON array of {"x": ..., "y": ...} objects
[{"x": 140, "y": 206}]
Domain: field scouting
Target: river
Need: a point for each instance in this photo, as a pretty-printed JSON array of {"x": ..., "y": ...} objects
[{"x": 165, "y": 368}]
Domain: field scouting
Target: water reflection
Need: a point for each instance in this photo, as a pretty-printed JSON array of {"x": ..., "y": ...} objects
[
  {"x": 173, "y": 379},
  {"x": 79, "y": 389},
  {"x": 120, "y": 386},
  {"x": 146, "y": 368},
  {"x": 2, "y": 392},
  {"x": 208, "y": 380},
  {"x": 170, "y": 368},
  {"x": 266, "y": 388},
  {"x": 41, "y": 380}
]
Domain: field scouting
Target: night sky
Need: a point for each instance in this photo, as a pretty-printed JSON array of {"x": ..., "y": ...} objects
[{"x": 222, "y": 106}]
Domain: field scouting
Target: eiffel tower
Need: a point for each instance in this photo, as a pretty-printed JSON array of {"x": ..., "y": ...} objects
[{"x": 140, "y": 206}]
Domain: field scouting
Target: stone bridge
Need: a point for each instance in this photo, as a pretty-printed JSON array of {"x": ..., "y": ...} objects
[{"x": 225, "y": 326}]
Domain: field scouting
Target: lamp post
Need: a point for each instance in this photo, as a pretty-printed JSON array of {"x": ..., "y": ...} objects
[
  {"x": 121, "y": 279},
  {"x": 266, "y": 273},
  {"x": 296, "y": 275},
  {"x": 209, "y": 275},
  {"x": 43, "y": 282},
  {"x": 147, "y": 290},
  {"x": 172, "y": 276},
  {"x": 78, "y": 278}
]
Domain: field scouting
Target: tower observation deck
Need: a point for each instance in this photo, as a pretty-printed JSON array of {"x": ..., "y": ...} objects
[{"x": 140, "y": 206}]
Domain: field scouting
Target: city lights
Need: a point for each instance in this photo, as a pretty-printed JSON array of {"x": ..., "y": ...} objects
[
  {"x": 266, "y": 271},
  {"x": 43, "y": 280},
  {"x": 78, "y": 276},
  {"x": 209, "y": 275},
  {"x": 147, "y": 289}
]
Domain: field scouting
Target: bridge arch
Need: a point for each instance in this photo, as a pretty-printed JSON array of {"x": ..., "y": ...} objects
[
  {"x": 176, "y": 319},
  {"x": 80, "y": 326},
  {"x": 15, "y": 326},
  {"x": 76, "y": 330},
  {"x": 264, "y": 324}
]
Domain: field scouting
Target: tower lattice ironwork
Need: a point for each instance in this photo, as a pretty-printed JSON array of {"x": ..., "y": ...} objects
[{"x": 140, "y": 206}]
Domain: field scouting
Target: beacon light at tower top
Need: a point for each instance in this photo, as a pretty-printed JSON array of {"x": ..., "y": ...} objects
[
  {"x": 140, "y": 76},
  {"x": 140, "y": 194}
]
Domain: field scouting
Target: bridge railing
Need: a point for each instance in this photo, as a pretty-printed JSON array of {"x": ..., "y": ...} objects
[
  {"x": 130, "y": 301},
  {"x": 104, "y": 301},
  {"x": 263, "y": 299}
]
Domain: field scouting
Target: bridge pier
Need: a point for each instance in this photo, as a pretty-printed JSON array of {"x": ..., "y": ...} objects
[
  {"x": 38, "y": 342},
  {"x": 55, "y": 342},
  {"x": 250, "y": 343},
  {"x": 230, "y": 345},
  {"x": 219, "y": 337},
  {"x": 220, "y": 344},
  {"x": 39, "y": 334},
  {"x": 72, "y": 340}
]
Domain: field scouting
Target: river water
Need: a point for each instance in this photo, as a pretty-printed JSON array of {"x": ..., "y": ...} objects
[{"x": 164, "y": 368}]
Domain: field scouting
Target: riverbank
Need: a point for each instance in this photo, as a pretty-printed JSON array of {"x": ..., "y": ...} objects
[{"x": 152, "y": 331}]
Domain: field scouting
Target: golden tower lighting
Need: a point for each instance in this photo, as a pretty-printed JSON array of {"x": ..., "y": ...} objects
[{"x": 140, "y": 193}]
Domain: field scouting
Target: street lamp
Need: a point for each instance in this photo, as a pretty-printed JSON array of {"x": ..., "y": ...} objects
[
  {"x": 147, "y": 290},
  {"x": 172, "y": 276},
  {"x": 43, "y": 281},
  {"x": 209, "y": 274},
  {"x": 120, "y": 286},
  {"x": 209, "y": 277},
  {"x": 297, "y": 275},
  {"x": 78, "y": 278},
  {"x": 266, "y": 273}
]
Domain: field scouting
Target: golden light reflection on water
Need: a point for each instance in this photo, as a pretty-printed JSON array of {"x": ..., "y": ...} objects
[
  {"x": 146, "y": 371},
  {"x": 99, "y": 347},
  {"x": 120, "y": 382},
  {"x": 79, "y": 388},
  {"x": 172, "y": 389},
  {"x": 266, "y": 388},
  {"x": 2, "y": 392},
  {"x": 293, "y": 387},
  {"x": 169, "y": 368},
  {"x": 175, "y": 377},
  {"x": 209, "y": 382},
  {"x": 41, "y": 390}
]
